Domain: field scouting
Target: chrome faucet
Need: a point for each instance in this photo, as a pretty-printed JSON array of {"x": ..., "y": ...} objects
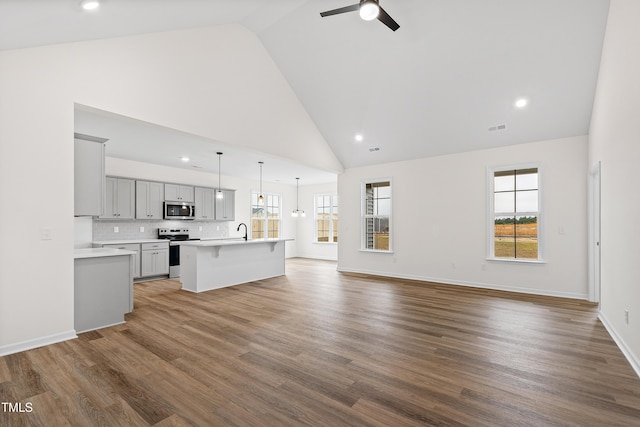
[{"x": 245, "y": 230}]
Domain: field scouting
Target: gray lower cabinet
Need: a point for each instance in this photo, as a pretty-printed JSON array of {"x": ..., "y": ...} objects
[
  {"x": 226, "y": 206},
  {"x": 103, "y": 291},
  {"x": 135, "y": 247},
  {"x": 154, "y": 259}
]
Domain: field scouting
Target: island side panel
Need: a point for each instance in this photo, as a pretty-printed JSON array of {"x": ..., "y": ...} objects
[
  {"x": 102, "y": 291},
  {"x": 212, "y": 267},
  {"x": 188, "y": 267}
]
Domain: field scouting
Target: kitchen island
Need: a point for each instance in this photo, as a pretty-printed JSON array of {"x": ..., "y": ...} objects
[{"x": 213, "y": 264}]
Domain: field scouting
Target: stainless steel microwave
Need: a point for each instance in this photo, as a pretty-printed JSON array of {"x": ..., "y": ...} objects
[{"x": 179, "y": 210}]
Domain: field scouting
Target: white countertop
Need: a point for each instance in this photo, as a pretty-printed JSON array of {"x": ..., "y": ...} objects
[
  {"x": 127, "y": 242},
  {"x": 99, "y": 252},
  {"x": 229, "y": 242}
]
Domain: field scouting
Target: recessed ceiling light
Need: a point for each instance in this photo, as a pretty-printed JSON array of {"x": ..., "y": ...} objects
[
  {"x": 521, "y": 102},
  {"x": 184, "y": 159},
  {"x": 359, "y": 137},
  {"x": 89, "y": 4}
]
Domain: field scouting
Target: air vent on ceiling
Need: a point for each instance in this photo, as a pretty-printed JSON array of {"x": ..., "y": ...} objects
[
  {"x": 497, "y": 127},
  {"x": 372, "y": 149}
]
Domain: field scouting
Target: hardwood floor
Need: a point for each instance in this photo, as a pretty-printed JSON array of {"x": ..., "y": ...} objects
[{"x": 322, "y": 348}]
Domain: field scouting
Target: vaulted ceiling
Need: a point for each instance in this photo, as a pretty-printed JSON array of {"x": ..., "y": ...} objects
[{"x": 437, "y": 85}]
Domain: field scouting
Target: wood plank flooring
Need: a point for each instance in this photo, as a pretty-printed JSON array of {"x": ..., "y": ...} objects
[{"x": 316, "y": 347}]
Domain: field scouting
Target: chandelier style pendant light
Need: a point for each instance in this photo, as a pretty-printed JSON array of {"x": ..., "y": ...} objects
[
  {"x": 219, "y": 193},
  {"x": 298, "y": 211},
  {"x": 260, "y": 196}
]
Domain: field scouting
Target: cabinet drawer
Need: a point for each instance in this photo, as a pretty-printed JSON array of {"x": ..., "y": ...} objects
[
  {"x": 128, "y": 247},
  {"x": 158, "y": 245}
]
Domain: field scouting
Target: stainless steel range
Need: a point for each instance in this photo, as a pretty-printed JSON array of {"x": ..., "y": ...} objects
[{"x": 175, "y": 236}]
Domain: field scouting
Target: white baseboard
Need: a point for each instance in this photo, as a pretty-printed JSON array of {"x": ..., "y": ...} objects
[
  {"x": 37, "y": 342},
  {"x": 317, "y": 257},
  {"x": 544, "y": 292},
  {"x": 628, "y": 354}
]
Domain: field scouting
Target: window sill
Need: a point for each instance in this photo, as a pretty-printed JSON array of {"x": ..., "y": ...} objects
[
  {"x": 518, "y": 260},
  {"x": 325, "y": 243},
  {"x": 374, "y": 251}
]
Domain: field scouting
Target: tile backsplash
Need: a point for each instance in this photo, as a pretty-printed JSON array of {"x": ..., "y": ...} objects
[{"x": 130, "y": 230}]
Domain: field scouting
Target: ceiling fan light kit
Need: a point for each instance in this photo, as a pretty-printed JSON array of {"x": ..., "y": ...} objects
[{"x": 368, "y": 10}]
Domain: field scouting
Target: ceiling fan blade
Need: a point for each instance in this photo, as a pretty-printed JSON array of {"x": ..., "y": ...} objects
[
  {"x": 387, "y": 20},
  {"x": 345, "y": 9}
]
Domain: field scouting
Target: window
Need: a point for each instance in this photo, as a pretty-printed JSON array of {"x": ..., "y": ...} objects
[
  {"x": 326, "y": 218},
  {"x": 515, "y": 214},
  {"x": 265, "y": 216},
  {"x": 376, "y": 216}
]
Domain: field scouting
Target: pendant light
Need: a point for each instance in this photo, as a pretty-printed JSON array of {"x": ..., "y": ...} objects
[
  {"x": 298, "y": 211},
  {"x": 260, "y": 196},
  {"x": 219, "y": 193}
]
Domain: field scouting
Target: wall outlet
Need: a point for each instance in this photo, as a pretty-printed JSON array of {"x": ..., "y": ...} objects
[
  {"x": 116, "y": 229},
  {"x": 142, "y": 229},
  {"x": 483, "y": 267},
  {"x": 626, "y": 317},
  {"x": 217, "y": 228},
  {"x": 200, "y": 228}
]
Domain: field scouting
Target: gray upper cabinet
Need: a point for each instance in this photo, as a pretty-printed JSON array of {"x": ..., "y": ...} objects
[
  {"x": 178, "y": 193},
  {"x": 89, "y": 180},
  {"x": 226, "y": 207},
  {"x": 149, "y": 199},
  {"x": 205, "y": 203},
  {"x": 120, "y": 199}
]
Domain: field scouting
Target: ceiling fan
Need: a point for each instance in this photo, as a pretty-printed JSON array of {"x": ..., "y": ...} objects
[{"x": 369, "y": 10}]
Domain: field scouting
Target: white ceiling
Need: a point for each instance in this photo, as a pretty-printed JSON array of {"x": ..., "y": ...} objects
[
  {"x": 140, "y": 141},
  {"x": 435, "y": 86}
]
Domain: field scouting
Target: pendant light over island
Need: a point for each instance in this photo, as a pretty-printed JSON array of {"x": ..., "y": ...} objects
[
  {"x": 297, "y": 212},
  {"x": 219, "y": 193}
]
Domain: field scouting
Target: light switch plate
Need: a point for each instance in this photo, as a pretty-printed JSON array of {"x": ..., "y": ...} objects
[{"x": 46, "y": 234}]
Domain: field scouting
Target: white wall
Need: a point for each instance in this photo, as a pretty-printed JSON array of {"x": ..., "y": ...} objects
[
  {"x": 218, "y": 83},
  {"x": 307, "y": 248},
  {"x": 614, "y": 141},
  {"x": 82, "y": 232},
  {"x": 440, "y": 220}
]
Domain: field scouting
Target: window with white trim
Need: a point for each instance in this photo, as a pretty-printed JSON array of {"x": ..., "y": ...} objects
[
  {"x": 376, "y": 216},
  {"x": 265, "y": 216},
  {"x": 326, "y": 218},
  {"x": 514, "y": 229}
]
